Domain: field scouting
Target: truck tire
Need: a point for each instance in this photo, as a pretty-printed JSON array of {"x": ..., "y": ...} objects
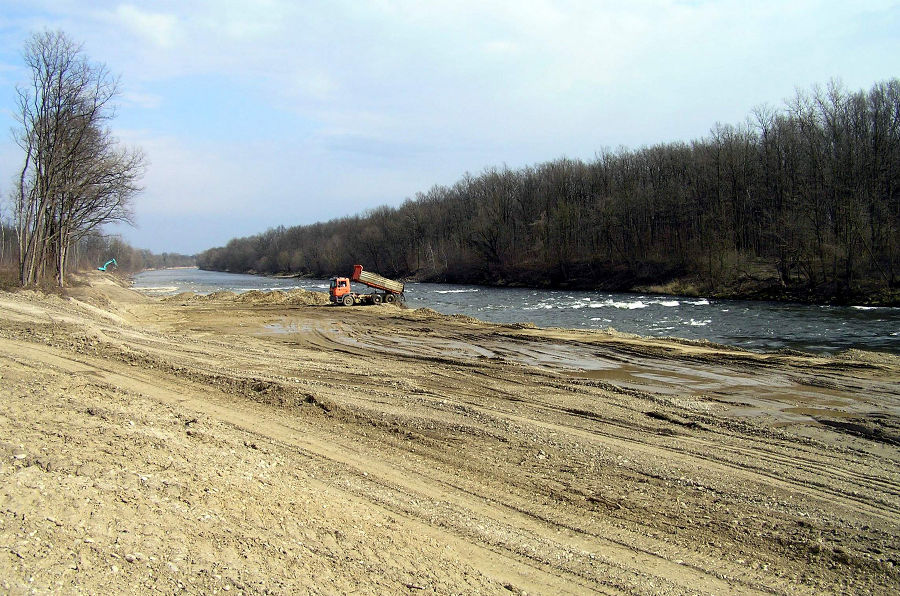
[
  {"x": 376, "y": 298},
  {"x": 348, "y": 300},
  {"x": 389, "y": 298}
]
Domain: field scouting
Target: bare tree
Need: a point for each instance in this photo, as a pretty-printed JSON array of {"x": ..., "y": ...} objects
[{"x": 75, "y": 177}]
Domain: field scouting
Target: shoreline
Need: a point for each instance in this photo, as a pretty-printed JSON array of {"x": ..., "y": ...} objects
[
  {"x": 804, "y": 330},
  {"x": 686, "y": 287}
]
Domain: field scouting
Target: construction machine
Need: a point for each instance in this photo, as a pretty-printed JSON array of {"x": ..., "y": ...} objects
[
  {"x": 386, "y": 290},
  {"x": 107, "y": 264}
]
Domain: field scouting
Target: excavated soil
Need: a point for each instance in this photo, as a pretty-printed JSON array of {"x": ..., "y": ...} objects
[{"x": 273, "y": 444}]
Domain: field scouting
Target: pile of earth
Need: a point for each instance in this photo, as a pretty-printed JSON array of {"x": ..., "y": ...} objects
[{"x": 296, "y": 297}]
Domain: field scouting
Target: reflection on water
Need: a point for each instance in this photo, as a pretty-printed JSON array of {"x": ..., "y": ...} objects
[{"x": 751, "y": 325}]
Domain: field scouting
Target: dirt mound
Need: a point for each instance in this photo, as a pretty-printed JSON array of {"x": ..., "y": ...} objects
[
  {"x": 296, "y": 297},
  {"x": 259, "y": 297},
  {"x": 428, "y": 314},
  {"x": 302, "y": 297},
  {"x": 182, "y": 297},
  {"x": 868, "y": 357},
  {"x": 101, "y": 289},
  {"x": 613, "y": 332},
  {"x": 220, "y": 296}
]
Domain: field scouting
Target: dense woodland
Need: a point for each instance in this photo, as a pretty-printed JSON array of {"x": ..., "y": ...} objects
[{"x": 801, "y": 202}]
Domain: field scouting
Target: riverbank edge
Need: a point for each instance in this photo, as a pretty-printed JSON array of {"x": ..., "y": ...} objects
[{"x": 750, "y": 289}]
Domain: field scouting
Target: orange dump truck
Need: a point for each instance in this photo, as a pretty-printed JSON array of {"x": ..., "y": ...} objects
[{"x": 386, "y": 290}]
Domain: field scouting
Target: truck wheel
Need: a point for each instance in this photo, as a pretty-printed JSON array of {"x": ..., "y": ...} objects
[
  {"x": 376, "y": 298},
  {"x": 401, "y": 299},
  {"x": 389, "y": 298},
  {"x": 348, "y": 300}
]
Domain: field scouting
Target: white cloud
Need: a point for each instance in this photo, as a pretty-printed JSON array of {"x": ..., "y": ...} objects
[
  {"x": 193, "y": 177},
  {"x": 143, "y": 100},
  {"x": 259, "y": 20},
  {"x": 160, "y": 29},
  {"x": 502, "y": 47}
]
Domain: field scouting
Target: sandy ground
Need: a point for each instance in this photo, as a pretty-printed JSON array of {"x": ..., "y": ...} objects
[{"x": 266, "y": 444}]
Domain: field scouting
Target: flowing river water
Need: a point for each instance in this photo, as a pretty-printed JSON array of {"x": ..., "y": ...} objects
[{"x": 748, "y": 324}]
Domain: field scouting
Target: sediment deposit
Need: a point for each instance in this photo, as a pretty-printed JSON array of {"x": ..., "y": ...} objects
[{"x": 275, "y": 444}]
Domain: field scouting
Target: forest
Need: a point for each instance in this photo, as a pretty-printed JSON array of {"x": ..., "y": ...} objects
[{"x": 800, "y": 202}]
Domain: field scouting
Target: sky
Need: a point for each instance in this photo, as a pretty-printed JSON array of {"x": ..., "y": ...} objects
[{"x": 254, "y": 114}]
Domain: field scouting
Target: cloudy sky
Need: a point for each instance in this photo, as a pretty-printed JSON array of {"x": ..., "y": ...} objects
[{"x": 259, "y": 113}]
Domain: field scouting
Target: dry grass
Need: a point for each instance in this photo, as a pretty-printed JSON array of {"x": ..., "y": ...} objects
[{"x": 9, "y": 279}]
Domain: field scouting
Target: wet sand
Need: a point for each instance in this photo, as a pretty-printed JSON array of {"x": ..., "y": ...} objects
[{"x": 269, "y": 442}]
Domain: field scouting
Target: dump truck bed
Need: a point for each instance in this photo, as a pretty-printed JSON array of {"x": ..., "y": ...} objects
[{"x": 373, "y": 280}]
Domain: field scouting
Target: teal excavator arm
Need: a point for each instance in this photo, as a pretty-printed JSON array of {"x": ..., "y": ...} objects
[{"x": 107, "y": 264}]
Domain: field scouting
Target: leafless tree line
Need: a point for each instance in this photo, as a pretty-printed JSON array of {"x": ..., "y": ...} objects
[
  {"x": 799, "y": 202},
  {"x": 88, "y": 252},
  {"x": 75, "y": 176}
]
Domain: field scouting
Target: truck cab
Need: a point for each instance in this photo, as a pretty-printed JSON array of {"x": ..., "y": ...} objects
[{"x": 340, "y": 288}]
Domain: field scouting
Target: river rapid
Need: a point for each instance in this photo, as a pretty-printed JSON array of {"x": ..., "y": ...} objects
[{"x": 759, "y": 326}]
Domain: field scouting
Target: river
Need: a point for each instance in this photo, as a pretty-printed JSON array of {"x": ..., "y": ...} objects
[{"x": 760, "y": 326}]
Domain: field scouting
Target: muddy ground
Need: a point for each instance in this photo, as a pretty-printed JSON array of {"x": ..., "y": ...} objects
[{"x": 269, "y": 444}]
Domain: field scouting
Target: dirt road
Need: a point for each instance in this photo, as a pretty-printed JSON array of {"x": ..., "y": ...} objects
[{"x": 269, "y": 444}]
